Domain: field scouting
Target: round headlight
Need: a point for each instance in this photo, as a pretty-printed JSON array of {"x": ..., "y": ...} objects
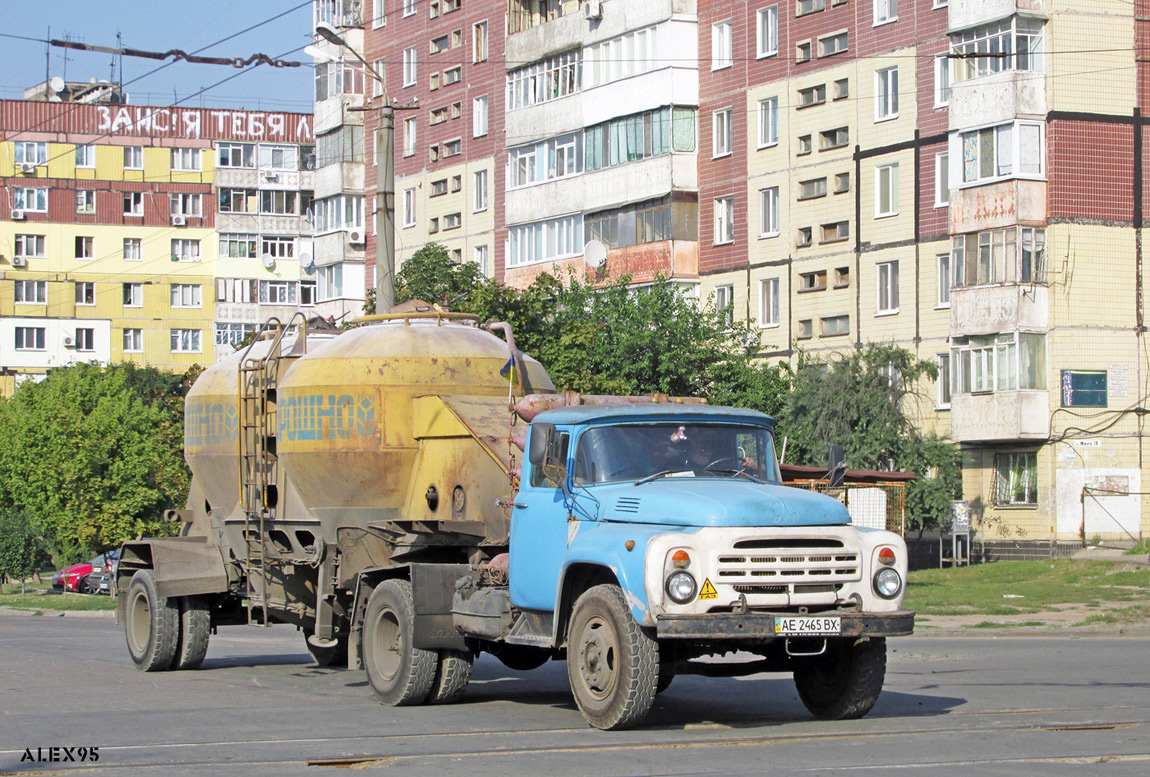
[
  {"x": 681, "y": 587},
  {"x": 887, "y": 583}
]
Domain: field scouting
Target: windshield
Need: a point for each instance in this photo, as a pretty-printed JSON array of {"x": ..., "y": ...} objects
[{"x": 636, "y": 451}]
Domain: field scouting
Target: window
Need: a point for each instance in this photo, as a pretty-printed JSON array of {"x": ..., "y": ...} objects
[
  {"x": 85, "y": 293},
  {"x": 721, "y": 55},
  {"x": 439, "y": 44},
  {"x": 886, "y": 94},
  {"x": 813, "y": 281},
  {"x": 237, "y": 245},
  {"x": 768, "y": 122},
  {"x": 186, "y": 341},
  {"x": 836, "y": 138},
  {"x": 769, "y": 212},
  {"x": 545, "y": 240},
  {"x": 237, "y": 200},
  {"x": 621, "y": 57},
  {"x": 133, "y": 157},
  {"x": 452, "y": 221},
  {"x": 803, "y": 145},
  {"x": 647, "y": 221},
  {"x": 887, "y": 287},
  {"x": 804, "y": 238},
  {"x": 378, "y": 14},
  {"x": 548, "y": 160},
  {"x": 236, "y": 290},
  {"x": 30, "y": 246},
  {"x": 438, "y": 188},
  {"x": 638, "y": 137},
  {"x": 29, "y": 152},
  {"x": 307, "y": 293},
  {"x": 85, "y": 339},
  {"x": 279, "y": 202},
  {"x": 379, "y": 77},
  {"x": 721, "y": 125},
  {"x": 1012, "y": 255},
  {"x": 479, "y": 256},
  {"x": 941, "y": 180},
  {"x": 452, "y": 75},
  {"x": 842, "y": 277},
  {"x": 479, "y": 190},
  {"x": 85, "y": 201},
  {"x": 186, "y": 250},
  {"x": 1016, "y": 479},
  {"x": 342, "y": 211},
  {"x": 885, "y": 11},
  {"x": 452, "y": 148},
  {"x": 85, "y": 156},
  {"x": 724, "y": 220},
  {"x": 942, "y": 385},
  {"x": 278, "y": 247},
  {"x": 815, "y": 187},
  {"x": 812, "y": 95},
  {"x": 941, "y": 81},
  {"x": 133, "y": 250},
  {"x": 804, "y": 7},
  {"x": 835, "y": 325},
  {"x": 186, "y": 159},
  {"x": 408, "y": 7},
  {"x": 279, "y": 157},
  {"x": 30, "y": 200},
  {"x": 943, "y": 298},
  {"x": 806, "y": 331},
  {"x": 85, "y": 247},
  {"x": 769, "y": 302},
  {"x": 236, "y": 155},
  {"x": 767, "y": 31},
  {"x": 724, "y": 305},
  {"x": 336, "y": 78},
  {"x": 186, "y": 295},
  {"x": 133, "y": 295},
  {"x": 886, "y": 190},
  {"x": 277, "y": 293},
  {"x": 410, "y": 71},
  {"x": 456, "y": 110},
  {"x": 408, "y": 208},
  {"x": 133, "y": 340},
  {"x": 188, "y": 204},
  {"x": 842, "y": 89},
  {"x": 990, "y": 153},
  {"x": 842, "y": 183},
  {"x": 835, "y": 232},
  {"x": 433, "y": 225},
  {"x": 479, "y": 117},
  {"x": 546, "y": 80},
  {"x": 1011, "y": 44},
  {"x": 30, "y": 338},
  {"x": 438, "y": 116},
  {"x": 409, "y": 129},
  {"x": 479, "y": 42},
  {"x": 344, "y": 144},
  {"x": 803, "y": 51},
  {"x": 31, "y": 292},
  {"x": 330, "y": 282},
  {"x": 134, "y": 203},
  {"x": 833, "y": 44},
  {"x": 1002, "y": 362}
]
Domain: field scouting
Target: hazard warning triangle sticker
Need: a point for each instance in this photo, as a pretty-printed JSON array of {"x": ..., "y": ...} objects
[{"x": 708, "y": 591}]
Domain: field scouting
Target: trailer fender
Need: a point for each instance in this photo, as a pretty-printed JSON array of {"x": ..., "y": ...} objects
[
  {"x": 432, "y": 586},
  {"x": 183, "y": 566}
]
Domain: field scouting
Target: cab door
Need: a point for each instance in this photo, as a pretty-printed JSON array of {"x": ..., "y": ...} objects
[{"x": 539, "y": 531}]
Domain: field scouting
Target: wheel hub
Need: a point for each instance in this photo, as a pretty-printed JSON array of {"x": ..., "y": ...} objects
[{"x": 597, "y": 658}]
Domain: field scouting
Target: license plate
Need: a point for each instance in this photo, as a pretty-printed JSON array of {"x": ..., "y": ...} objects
[{"x": 808, "y": 625}]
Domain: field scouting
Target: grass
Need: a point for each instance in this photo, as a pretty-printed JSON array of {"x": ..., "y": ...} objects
[
  {"x": 1138, "y": 614},
  {"x": 40, "y": 598},
  {"x": 1041, "y": 585},
  {"x": 1141, "y": 549}
]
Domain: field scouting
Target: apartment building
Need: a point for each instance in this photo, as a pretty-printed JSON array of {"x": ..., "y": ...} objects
[{"x": 156, "y": 235}]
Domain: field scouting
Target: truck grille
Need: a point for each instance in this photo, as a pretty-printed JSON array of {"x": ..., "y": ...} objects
[{"x": 770, "y": 566}]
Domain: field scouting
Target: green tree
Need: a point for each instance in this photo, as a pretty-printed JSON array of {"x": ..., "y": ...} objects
[
  {"x": 94, "y": 456},
  {"x": 858, "y": 400},
  {"x": 432, "y": 276},
  {"x": 20, "y": 549}
]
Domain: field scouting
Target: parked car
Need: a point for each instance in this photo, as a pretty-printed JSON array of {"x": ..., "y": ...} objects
[
  {"x": 88, "y": 577},
  {"x": 73, "y": 578}
]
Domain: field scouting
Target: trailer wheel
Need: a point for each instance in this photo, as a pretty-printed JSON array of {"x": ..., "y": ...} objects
[
  {"x": 846, "y": 681},
  {"x": 451, "y": 677},
  {"x": 400, "y": 674},
  {"x": 151, "y": 625},
  {"x": 612, "y": 662},
  {"x": 195, "y": 629}
]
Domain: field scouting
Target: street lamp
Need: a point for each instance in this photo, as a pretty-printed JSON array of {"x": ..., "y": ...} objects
[{"x": 385, "y": 182}]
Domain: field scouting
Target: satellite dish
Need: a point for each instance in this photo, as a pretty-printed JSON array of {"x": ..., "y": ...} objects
[
  {"x": 595, "y": 254},
  {"x": 56, "y": 83},
  {"x": 268, "y": 260},
  {"x": 54, "y": 98},
  {"x": 307, "y": 262}
]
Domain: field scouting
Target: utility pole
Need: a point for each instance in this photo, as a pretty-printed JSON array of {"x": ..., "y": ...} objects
[{"x": 385, "y": 182}]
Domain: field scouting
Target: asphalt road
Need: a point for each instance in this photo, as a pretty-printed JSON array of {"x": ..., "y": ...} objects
[{"x": 1044, "y": 706}]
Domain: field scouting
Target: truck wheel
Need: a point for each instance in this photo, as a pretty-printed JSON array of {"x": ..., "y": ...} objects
[
  {"x": 522, "y": 658},
  {"x": 846, "y": 681},
  {"x": 152, "y": 624},
  {"x": 451, "y": 677},
  {"x": 195, "y": 629},
  {"x": 612, "y": 662},
  {"x": 400, "y": 674},
  {"x": 327, "y": 656}
]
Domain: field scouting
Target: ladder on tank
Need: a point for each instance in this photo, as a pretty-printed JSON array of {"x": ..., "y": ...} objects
[{"x": 259, "y": 460}]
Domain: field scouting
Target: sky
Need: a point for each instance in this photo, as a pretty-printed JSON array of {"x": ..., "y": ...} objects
[{"x": 162, "y": 25}]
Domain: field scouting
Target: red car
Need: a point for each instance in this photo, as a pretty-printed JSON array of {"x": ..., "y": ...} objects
[{"x": 74, "y": 578}]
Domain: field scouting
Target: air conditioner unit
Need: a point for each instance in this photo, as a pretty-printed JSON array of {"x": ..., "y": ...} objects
[
  {"x": 179, "y": 221},
  {"x": 593, "y": 9},
  {"x": 271, "y": 175},
  {"x": 355, "y": 237},
  {"x": 28, "y": 168},
  {"x": 17, "y": 215},
  {"x": 19, "y": 261},
  {"x": 68, "y": 342}
]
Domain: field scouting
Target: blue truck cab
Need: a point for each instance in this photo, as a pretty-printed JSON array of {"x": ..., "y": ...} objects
[{"x": 647, "y": 538}]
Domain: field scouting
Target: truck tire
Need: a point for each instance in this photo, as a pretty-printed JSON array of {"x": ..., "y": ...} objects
[
  {"x": 846, "y": 681},
  {"x": 451, "y": 677},
  {"x": 612, "y": 662},
  {"x": 522, "y": 658},
  {"x": 151, "y": 624},
  {"x": 400, "y": 674},
  {"x": 327, "y": 656},
  {"x": 195, "y": 629}
]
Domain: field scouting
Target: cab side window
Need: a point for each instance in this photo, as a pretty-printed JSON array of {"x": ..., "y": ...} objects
[{"x": 550, "y": 475}]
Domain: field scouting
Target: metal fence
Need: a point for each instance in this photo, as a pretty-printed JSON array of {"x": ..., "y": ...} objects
[{"x": 871, "y": 505}]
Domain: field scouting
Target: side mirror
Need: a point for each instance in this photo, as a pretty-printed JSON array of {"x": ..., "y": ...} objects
[{"x": 541, "y": 435}]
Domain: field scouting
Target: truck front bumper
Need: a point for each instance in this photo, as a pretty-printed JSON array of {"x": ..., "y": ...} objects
[{"x": 761, "y": 626}]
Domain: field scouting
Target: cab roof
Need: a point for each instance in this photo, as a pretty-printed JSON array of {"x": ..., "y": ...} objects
[{"x": 651, "y": 411}]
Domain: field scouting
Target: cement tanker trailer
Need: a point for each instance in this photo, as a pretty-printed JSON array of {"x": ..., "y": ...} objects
[{"x": 412, "y": 492}]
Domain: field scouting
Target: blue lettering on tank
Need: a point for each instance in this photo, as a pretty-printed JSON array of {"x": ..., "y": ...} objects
[{"x": 326, "y": 417}]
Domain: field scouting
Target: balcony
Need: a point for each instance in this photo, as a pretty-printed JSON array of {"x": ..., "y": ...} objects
[
  {"x": 998, "y": 97},
  {"x": 1010, "y": 307},
  {"x": 1000, "y": 416},
  {"x": 997, "y": 205},
  {"x": 963, "y": 14}
]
